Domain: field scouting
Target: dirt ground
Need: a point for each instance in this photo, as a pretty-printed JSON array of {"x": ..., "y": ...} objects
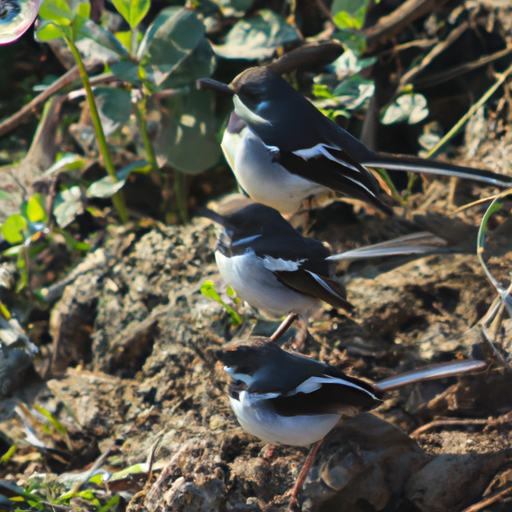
[
  {"x": 134, "y": 375},
  {"x": 131, "y": 374}
]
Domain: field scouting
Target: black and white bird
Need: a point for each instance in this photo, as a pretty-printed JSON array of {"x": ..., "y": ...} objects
[
  {"x": 283, "y": 150},
  {"x": 290, "y": 399},
  {"x": 286, "y": 398},
  {"x": 272, "y": 267}
]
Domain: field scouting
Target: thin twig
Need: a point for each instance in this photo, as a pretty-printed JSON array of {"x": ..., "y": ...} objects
[
  {"x": 12, "y": 122},
  {"x": 465, "y": 118},
  {"x": 443, "y": 423},
  {"x": 488, "y": 501}
]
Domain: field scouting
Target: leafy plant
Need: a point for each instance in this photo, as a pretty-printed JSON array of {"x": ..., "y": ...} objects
[
  {"x": 61, "y": 21},
  {"x": 171, "y": 54},
  {"x": 208, "y": 290}
]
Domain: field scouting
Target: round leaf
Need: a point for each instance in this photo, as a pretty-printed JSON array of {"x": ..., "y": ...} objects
[
  {"x": 114, "y": 106},
  {"x": 68, "y": 204},
  {"x": 13, "y": 229},
  {"x": 187, "y": 140},
  {"x": 173, "y": 36},
  {"x": 408, "y": 107},
  {"x": 257, "y": 38},
  {"x": 35, "y": 209}
]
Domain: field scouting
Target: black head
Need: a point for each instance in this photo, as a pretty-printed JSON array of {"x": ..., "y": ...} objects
[
  {"x": 255, "y": 86},
  {"x": 259, "y": 219},
  {"x": 249, "y": 356}
]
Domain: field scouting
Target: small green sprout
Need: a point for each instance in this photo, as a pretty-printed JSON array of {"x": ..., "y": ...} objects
[{"x": 208, "y": 290}]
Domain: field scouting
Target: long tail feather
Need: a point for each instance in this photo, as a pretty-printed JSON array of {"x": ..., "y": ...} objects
[
  {"x": 416, "y": 243},
  {"x": 439, "y": 371},
  {"x": 420, "y": 165}
]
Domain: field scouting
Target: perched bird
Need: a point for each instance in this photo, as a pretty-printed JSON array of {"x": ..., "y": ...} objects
[
  {"x": 283, "y": 149},
  {"x": 272, "y": 266},
  {"x": 286, "y": 398}
]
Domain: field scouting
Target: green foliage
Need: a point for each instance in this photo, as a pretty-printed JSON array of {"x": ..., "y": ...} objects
[
  {"x": 67, "y": 205},
  {"x": 193, "y": 125},
  {"x": 67, "y": 162},
  {"x": 411, "y": 108},
  {"x": 348, "y": 16},
  {"x": 133, "y": 11},
  {"x": 346, "y": 89},
  {"x": 7, "y": 456},
  {"x": 106, "y": 187},
  {"x": 59, "y": 427},
  {"x": 208, "y": 290},
  {"x": 13, "y": 229},
  {"x": 257, "y": 37}
]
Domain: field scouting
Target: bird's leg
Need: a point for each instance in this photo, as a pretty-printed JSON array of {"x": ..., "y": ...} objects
[
  {"x": 285, "y": 325},
  {"x": 294, "y": 501}
]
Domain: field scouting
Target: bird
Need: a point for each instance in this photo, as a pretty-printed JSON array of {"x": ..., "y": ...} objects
[
  {"x": 283, "y": 150},
  {"x": 272, "y": 267},
  {"x": 290, "y": 399}
]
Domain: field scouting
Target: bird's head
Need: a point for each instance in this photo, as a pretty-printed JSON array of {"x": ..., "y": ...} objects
[
  {"x": 257, "y": 93},
  {"x": 243, "y": 360}
]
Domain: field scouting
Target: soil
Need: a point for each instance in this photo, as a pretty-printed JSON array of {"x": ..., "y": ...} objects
[{"x": 134, "y": 374}]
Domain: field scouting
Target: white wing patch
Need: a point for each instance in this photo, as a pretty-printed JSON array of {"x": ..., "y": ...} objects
[
  {"x": 245, "y": 240},
  {"x": 322, "y": 150},
  {"x": 314, "y": 383},
  {"x": 323, "y": 284},
  {"x": 275, "y": 265}
]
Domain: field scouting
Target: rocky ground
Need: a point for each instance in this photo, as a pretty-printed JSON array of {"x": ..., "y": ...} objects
[{"x": 133, "y": 375}]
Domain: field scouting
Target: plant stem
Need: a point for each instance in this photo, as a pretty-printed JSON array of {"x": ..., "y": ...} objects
[
  {"x": 140, "y": 114},
  {"x": 179, "y": 192},
  {"x": 117, "y": 198},
  {"x": 463, "y": 120}
]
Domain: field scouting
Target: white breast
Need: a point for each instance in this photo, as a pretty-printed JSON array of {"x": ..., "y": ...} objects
[
  {"x": 265, "y": 181},
  {"x": 263, "y": 423},
  {"x": 258, "y": 286}
]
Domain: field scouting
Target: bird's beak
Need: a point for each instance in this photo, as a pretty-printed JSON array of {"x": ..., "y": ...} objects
[
  {"x": 209, "y": 83},
  {"x": 216, "y": 217}
]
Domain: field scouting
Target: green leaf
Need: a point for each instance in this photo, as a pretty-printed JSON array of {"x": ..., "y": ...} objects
[
  {"x": 199, "y": 64},
  {"x": 114, "y": 107},
  {"x": 125, "y": 38},
  {"x": 172, "y": 36},
  {"x": 4, "y": 311},
  {"x": 48, "y": 30},
  {"x": 84, "y": 9},
  {"x": 208, "y": 290},
  {"x": 13, "y": 251},
  {"x": 408, "y": 107},
  {"x": 111, "y": 503},
  {"x": 127, "y": 71},
  {"x": 105, "y": 187},
  {"x": 68, "y": 203},
  {"x": 6, "y": 457},
  {"x": 349, "y": 14},
  {"x": 355, "y": 42},
  {"x": 61, "y": 429},
  {"x": 187, "y": 140},
  {"x": 57, "y": 11},
  {"x": 72, "y": 243},
  {"x": 133, "y": 11},
  {"x": 257, "y": 38},
  {"x": 68, "y": 162},
  {"x": 35, "y": 209},
  {"x": 98, "y": 42},
  {"x": 13, "y": 229}
]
